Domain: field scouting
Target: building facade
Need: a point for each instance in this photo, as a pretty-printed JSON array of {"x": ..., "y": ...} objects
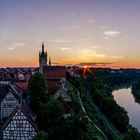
[
  {"x": 9, "y": 99},
  {"x": 20, "y": 125}
]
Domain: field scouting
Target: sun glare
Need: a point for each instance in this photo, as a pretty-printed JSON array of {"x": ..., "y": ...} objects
[{"x": 86, "y": 69}]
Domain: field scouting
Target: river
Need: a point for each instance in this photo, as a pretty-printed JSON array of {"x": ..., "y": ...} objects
[{"x": 125, "y": 99}]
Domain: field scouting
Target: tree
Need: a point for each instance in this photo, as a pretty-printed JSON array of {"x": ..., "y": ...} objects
[
  {"x": 75, "y": 127},
  {"x": 37, "y": 91},
  {"x": 132, "y": 134},
  {"x": 41, "y": 136},
  {"x": 49, "y": 115}
]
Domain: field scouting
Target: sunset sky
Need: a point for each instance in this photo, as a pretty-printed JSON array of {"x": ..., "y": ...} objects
[{"x": 74, "y": 31}]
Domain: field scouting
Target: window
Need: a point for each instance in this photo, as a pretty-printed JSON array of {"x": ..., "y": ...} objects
[
  {"x": 11, "y": 133},
  {"x": 29, "y": 133},
  {"x": 19, "y": 124}
]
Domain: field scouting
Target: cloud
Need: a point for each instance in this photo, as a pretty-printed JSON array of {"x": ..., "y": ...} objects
[
  {"x": 16, "y": 45},
  {"x": 65, "y": 48},
  {"x": 86, "y": 53},
  {"x": 69, "y": 27},
  {"x": 111, "y": 33},
  {"x": 60, "y": 40},
  {"x": 5, "y": 37},
  {"x": 94, "y": 64},
  {"x": 109, "y": 56},
  {"x": 90, "y": 46},
  {"x": 103, "y": 27},
  {"x": 89, "y": 53},
  {"x": 100, "y": 55},
  {"x": 116, "y": 57},
  {"x": 94, "y": 46},
  {"x": 91, "y": 21}
]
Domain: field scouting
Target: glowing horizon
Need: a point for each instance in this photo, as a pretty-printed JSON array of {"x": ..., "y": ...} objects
[{"x": 76, "y": 31}]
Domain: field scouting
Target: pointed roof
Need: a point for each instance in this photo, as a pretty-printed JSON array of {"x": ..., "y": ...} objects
[
  {"x": 49, "y": 61},
  {"x": 5, "y": 89},
  {"x": 43, "y": 50},
  {"x": 26, "y": 111},
  {"x": 42, "y": 46}
]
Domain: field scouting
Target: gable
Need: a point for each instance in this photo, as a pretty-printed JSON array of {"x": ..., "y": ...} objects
[
  {"x": 8, "y": 104},
  {"x": 9, "y": 98},
  {"x": 18, "y": 128}
]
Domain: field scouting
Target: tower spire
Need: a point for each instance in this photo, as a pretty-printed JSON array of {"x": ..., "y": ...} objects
[
  {"x": 42, "y": 46},
  {"x": 49, "y": 61},
  {"x": 43, "y": 57}
]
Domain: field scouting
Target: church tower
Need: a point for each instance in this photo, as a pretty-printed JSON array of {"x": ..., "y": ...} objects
[
  {"x": 50, "y": 63},
  {"x": 43, "y": 56}
]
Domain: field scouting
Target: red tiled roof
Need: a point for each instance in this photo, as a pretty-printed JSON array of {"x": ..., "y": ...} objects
[
  {"x": 53, "y": 75},
  {"x": 54, "y": 71},
  {"x": 22, "y": 85},
  {"x": 53, "y": 85}
]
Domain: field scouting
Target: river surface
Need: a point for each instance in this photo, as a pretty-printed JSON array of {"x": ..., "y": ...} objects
[{"x": 125, "y": 99}]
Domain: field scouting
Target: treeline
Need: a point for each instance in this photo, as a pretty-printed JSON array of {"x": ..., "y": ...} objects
[
  {"x": 101, "y": 84},
  {"x": 101, "y": 94},
  {"x": 123, "y": 78},
  {"x": 136, "y": 90}
]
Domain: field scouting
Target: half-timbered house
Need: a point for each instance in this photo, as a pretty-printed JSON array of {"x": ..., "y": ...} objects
[
  {"x": 9, "y": 98},
  {"x": 20, "y": 125}
]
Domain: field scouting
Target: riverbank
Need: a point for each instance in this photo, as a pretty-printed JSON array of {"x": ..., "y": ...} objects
[
  {"x": 101, "y": 87},
  {"x": 125, "y": 99},
  {"x": 93, "y": 112}
]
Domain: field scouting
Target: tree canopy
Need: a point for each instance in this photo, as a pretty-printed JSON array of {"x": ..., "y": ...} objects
[
  {"x": 41, "y": 136},
  {"x": 37, "y": 91}
]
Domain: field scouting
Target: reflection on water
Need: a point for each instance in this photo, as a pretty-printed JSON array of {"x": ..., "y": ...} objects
[{"x": 125, "y": 99}]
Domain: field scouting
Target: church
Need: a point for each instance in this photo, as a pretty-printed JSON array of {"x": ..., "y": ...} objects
[
  {"x": 53, "y": 74},
  {"x": 43, "y": 58}
]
